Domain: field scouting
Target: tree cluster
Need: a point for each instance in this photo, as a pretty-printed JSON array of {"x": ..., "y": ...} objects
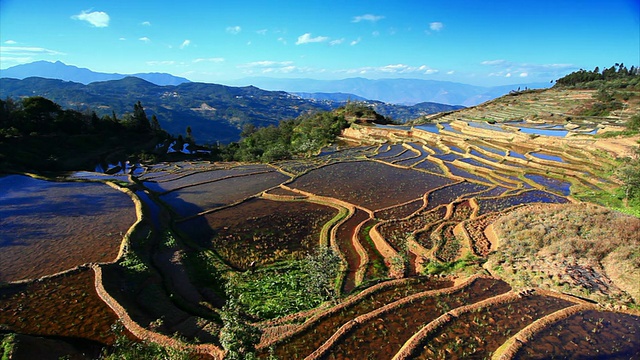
[
  {"x": 588, "y": 79},
  {"x": 304, "y": 135},
  {"x": 37, "y": 115}
]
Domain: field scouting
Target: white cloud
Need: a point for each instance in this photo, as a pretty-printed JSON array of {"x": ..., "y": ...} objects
[
  {"x": 375, "y": 33},
  {"x": 10, "y": 42},
  {"x": 273, "y": 67},
  {"x": 436, "y": 26},
  {"x": 355, "y": 42},
  {"x": 213, "y": 60},
  {"x": 506, "y": 68},
  {"x": 451, "y": 72},
  {"x": 96, "y": 18},
  {"x": 163, "y": 62},
  {"x": 306, "y": 38},
  {"x": 262, "y": 32},
  {"x": 122, "y": 39},
  {"x": 336, "y": 42},
  {"x": 282, "y": 40},
  {"x": 500, "y": 62},
  {"x": 146, "y": 23},
  {"x": 267, "y": 63},
  {"x": 24, "y": 54},
  {"x": 27, "y": 51},
  {"x": 394, "y": 69},
  {"x": 145, "y": 39},
  {"x": 234, "y": 30},
  {"x": 367, "y": 17},
  {"x": 185, "y": 44}
]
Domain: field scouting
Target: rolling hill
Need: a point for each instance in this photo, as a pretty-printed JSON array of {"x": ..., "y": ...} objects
[{"x": 215, "y": 113}]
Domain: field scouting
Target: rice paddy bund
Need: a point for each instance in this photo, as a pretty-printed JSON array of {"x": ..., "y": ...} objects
[{"x": 423, "y": 220}]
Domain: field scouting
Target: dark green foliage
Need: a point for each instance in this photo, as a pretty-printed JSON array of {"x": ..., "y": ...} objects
[
  {"x": 126, "y": 349},
  {"x": 607, "y": 102},
  {"x": 322, "y": 269},
  {"x": 617, "y": 74},
  {"x": 633, "y": 124},
  {"x": 237, "y": 336},
  {"x": 629, "y": 173},
  {"x": 37, "y": 134},
  {"x": 275, "y": 291},
  {"x": 304, "y": 135}
]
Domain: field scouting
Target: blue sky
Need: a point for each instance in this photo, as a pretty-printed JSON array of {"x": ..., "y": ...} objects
[{"x": 473, "y": 41}]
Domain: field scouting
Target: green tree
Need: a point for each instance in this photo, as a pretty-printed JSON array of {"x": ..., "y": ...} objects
[
  {"x": 155, "y": 124},
  {"x": 629, "y": 173},
  {"x": 126, "y": 349},
  {"x": 237, "y": 336},
  {"x": 139, "y": 120},
  {"x": 189, "y": 132},
  {"x": 323, "y": 268}
]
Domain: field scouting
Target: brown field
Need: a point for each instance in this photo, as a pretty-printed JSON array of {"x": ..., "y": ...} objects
[
  {"x": 260, "y": 230},
  {"x": 48, "y": 227}
]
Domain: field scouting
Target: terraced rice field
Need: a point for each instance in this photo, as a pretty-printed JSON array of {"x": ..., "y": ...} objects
[
  {"x": 402, "y": 216},
  {"x": 48, "y": 227}
]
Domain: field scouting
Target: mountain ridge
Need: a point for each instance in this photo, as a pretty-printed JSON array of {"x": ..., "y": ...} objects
[
  {"x": 215, "y": 113},
  {"x": 396, "y": 91},
  {"x": 62, "y": 71}
]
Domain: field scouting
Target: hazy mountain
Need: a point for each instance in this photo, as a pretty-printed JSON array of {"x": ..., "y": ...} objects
[
  {"x": 61, "y": 71},
  {"x": 395, "y": 91},
  {"x": 214, "y": 112},
  {"x": 330, "y": 96}
]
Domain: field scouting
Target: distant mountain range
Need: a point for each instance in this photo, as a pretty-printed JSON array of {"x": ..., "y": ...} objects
[
  {"x": 61, "y": 71},
  {"x": 394, "y": 91},
  {"x": 214, "y": 112}
]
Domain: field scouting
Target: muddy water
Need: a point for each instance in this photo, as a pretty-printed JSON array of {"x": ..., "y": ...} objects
[
  {"x": 369, "y": 184},
  {"x": 47, "y": 227},
  {"x": 344, "y": 238},
  {"x": 260, "y": 230},
  {"x": 62, "y": 306},
  {"x": 306, "y": 342},
  {"x": 587, "y": 335}
]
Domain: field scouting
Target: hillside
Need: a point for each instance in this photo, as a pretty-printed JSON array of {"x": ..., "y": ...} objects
[
  {"x": 472, "y": 238},
  {"x": 215, "y": 113}
]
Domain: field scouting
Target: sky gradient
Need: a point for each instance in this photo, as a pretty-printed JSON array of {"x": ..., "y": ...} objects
[{"x": 472, "y": 41}]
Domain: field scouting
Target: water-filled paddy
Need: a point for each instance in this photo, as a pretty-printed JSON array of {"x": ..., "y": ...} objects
[
  {"x": 563, "y": 187},
  {"x": 549, "y": 157},
  {"x": 587, "y": 335},
  {"x": 260, "y": 230},
  {"x": 47, "y": 227},
  {"x": 195, "y": 199},
  {"x": 526, "y": 197},
  {"x": 432, "y": 128},
  {"x": 193, "y": 178},
  {"x": 544, "y": 132},
  {"x": 370, "y": 184},
  {"x": 65, "y": 305}
]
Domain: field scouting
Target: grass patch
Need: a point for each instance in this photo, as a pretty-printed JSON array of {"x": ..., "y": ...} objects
[
  {"x": 274, "y": 291},
  {"x": 378, "y": 269},
  {"x": 452, "y": 267},
  {"x": 7, "y": 346}
]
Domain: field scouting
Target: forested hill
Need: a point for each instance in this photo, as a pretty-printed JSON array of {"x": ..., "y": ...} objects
[{"x": 215, "y": 113}]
